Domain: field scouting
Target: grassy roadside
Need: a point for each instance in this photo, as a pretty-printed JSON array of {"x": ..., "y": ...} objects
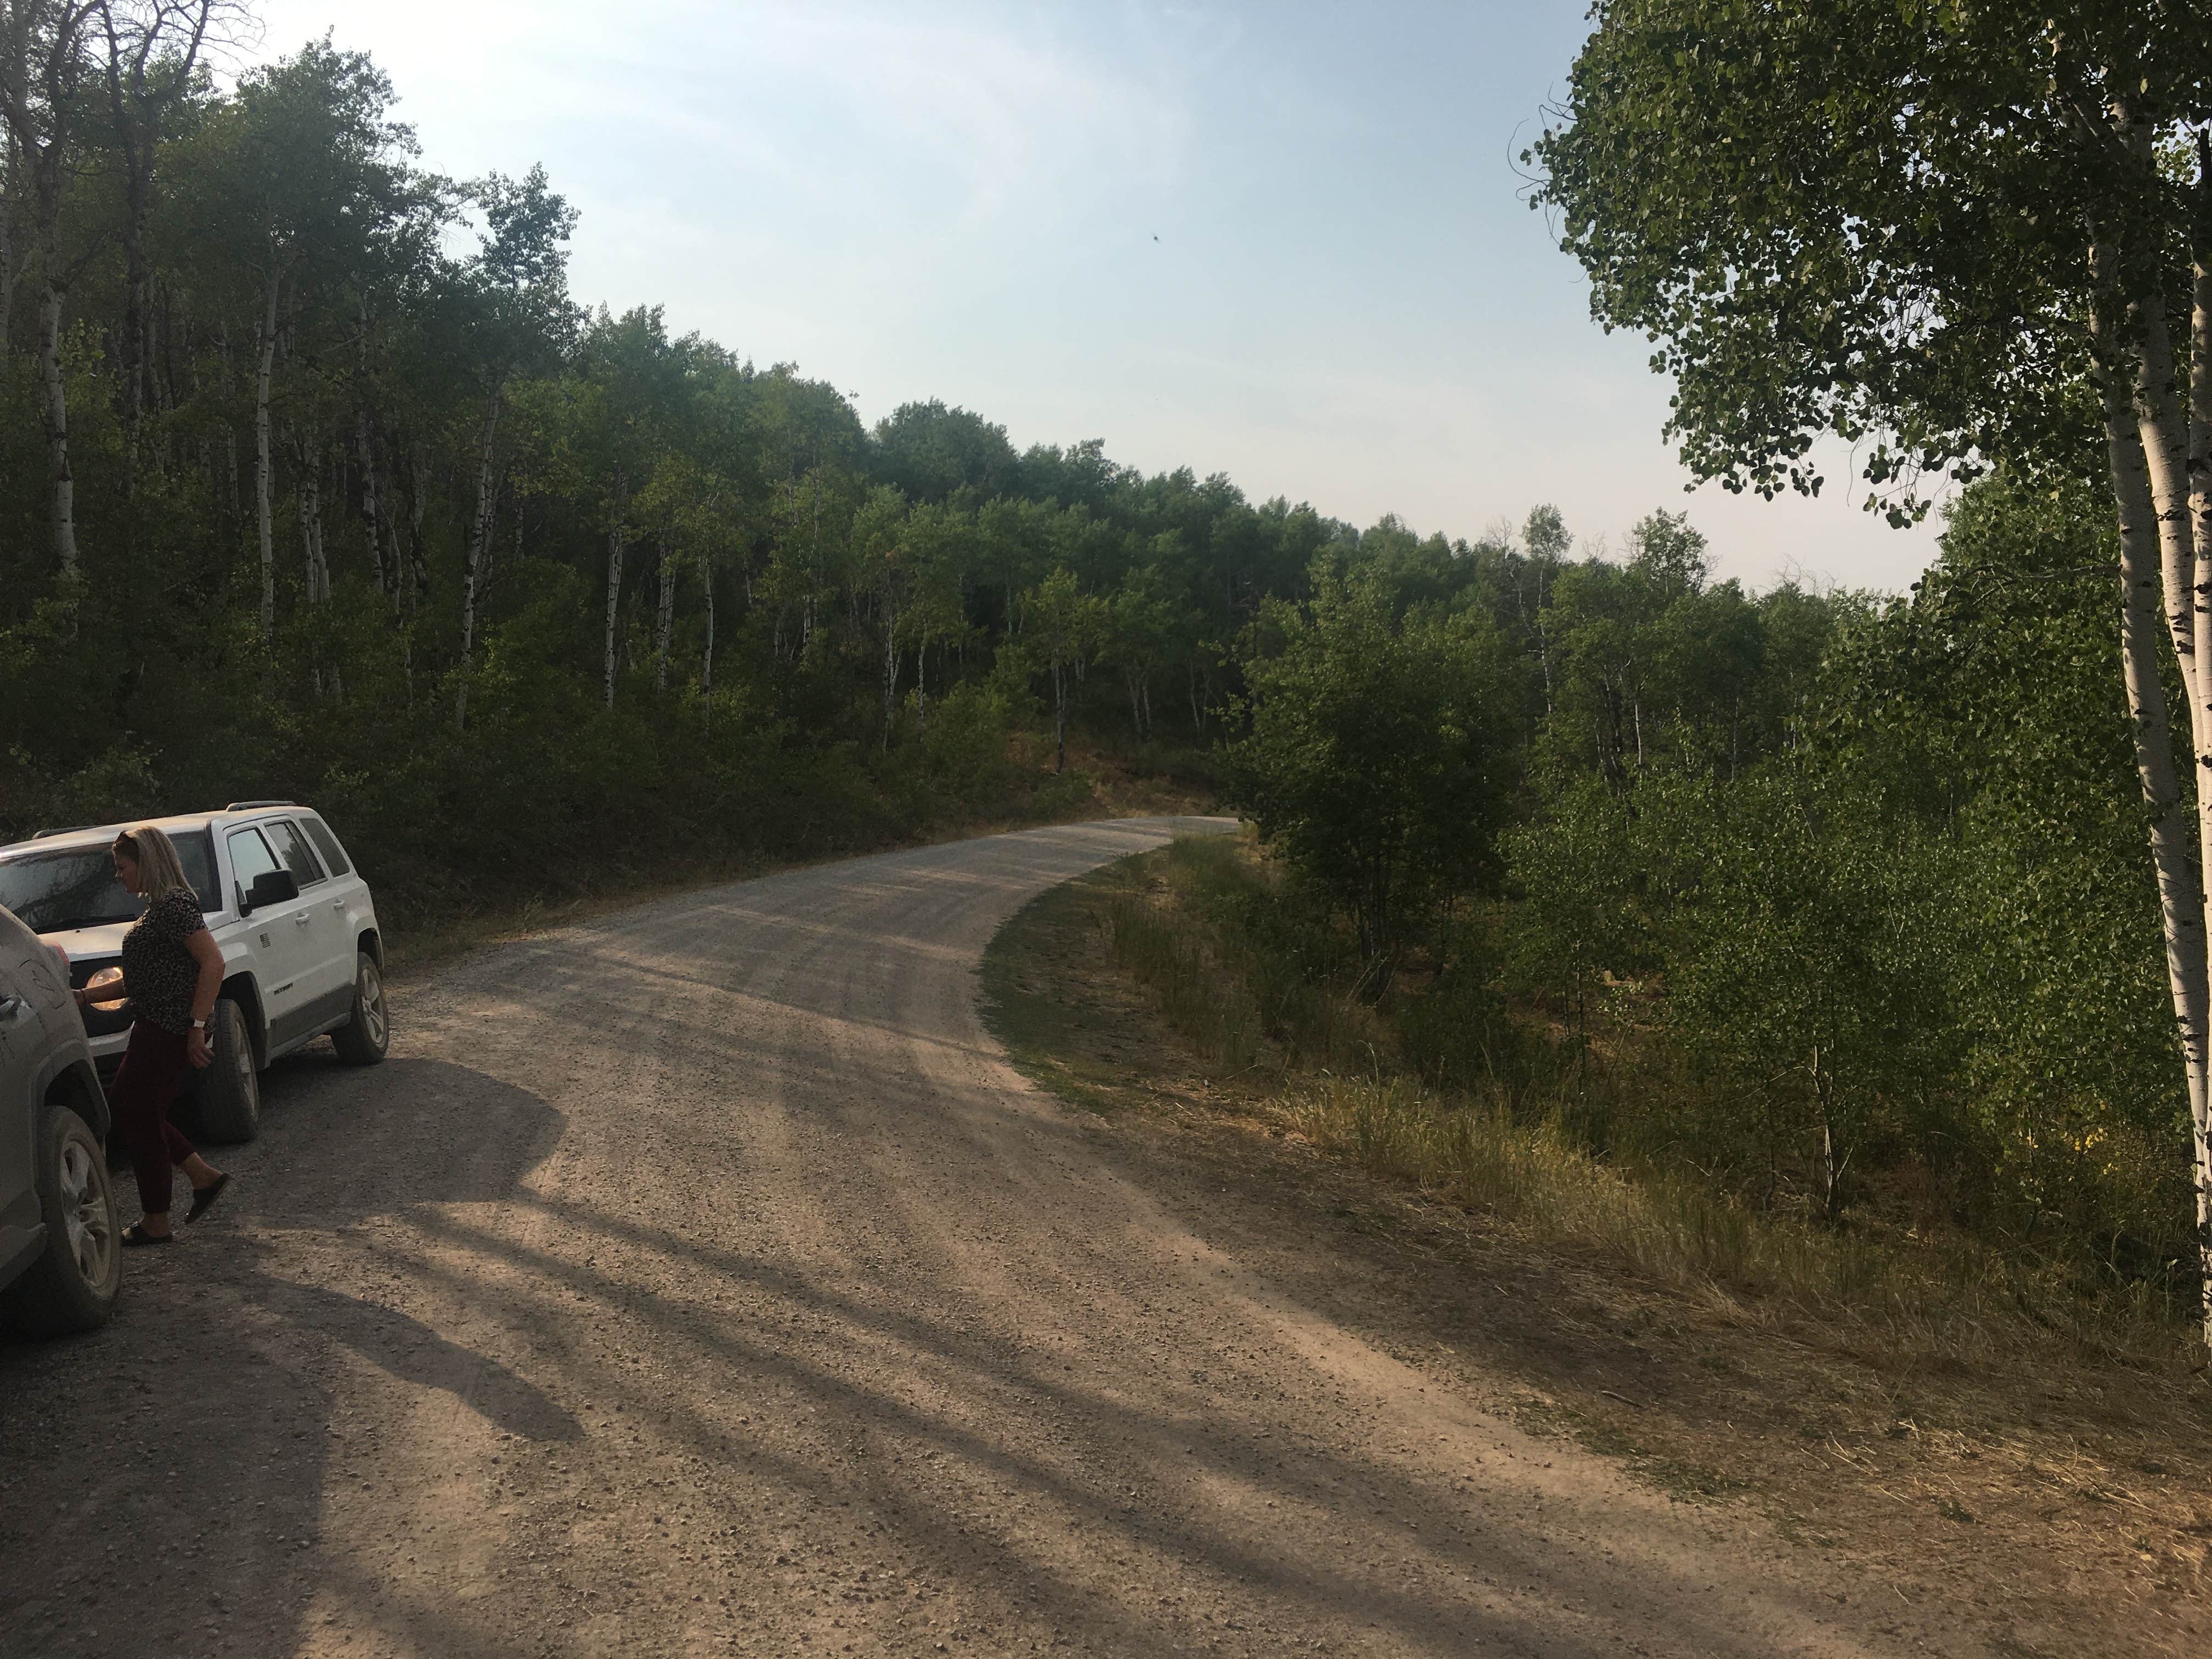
[
  {"x": 1604, "y": 1147},
  {"x": 1941, "y": 1452}
]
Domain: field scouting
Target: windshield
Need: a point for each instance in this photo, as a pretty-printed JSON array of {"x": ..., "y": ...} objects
[{"x": 75, "y": 886}]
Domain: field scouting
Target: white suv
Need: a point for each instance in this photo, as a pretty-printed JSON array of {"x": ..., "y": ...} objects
[{"x": 301, "y": 952}]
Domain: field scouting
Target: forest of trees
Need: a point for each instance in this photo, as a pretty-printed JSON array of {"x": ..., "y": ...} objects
[
  {"x": 318, "y": 482},
  {"x": 1846, "y": 892},
  {"x": 1976, "y": 242}
]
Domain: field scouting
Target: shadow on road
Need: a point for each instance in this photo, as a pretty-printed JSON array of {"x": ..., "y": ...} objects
[
  {"x": 411, "y": 1352},
  {"x": 163, "y": 1480},
  {"x": 868, "y": 1383}
]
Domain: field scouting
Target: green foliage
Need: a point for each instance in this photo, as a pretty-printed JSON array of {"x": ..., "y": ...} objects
[
  {"x": 1381, "y": 756},
  {"x": 530, "y": 596},
  {"x": 1872, "y": 219},
  {"x": 1913, "y": 952},
  {"x": 1248, "y": 966},
  {"x": 1579, "y": 914},
  {"x": 532, "y": 599},
  {"x": 1804, "y": 964},
  {"x": 1627, "y": 1159}
]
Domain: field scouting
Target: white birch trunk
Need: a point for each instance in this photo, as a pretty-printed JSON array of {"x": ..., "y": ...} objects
[
  {"x": 1058, "y": 718},
  {"x": 371, "y": 504},
  {"x": 1544, "y": 647},
  {"x": 57, "y": 420},
  {"x": 707, "y": 662},
  {"x": 264, "y": 367},
  {"x": 616, "y": 548},
  {"x": 2162, "y": 427},
  {"x": 399, "y": 560},
  {"x": 2200, "y": 371},
  {"x": 2144, "y": 573},
  {"x": 9, "y": 191},
  {"x": 316, "y": 567},
  {"x": 418, "y": 502},
  {"x": 2199, "y": 448},
  {"x": 308, "y": 503},
  {"x": 891, "y": 667},
  {"x": 664, "y": 621},
  {"x": 364, "y": 447},
  {"x": 479, "y": 542}
]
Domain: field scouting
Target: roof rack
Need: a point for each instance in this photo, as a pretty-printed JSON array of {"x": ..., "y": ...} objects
[
  {"x": 58, "y": 829},
  {"x": 256, "y": 805}
]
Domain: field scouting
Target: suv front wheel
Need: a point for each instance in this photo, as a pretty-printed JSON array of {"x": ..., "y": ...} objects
[
  {"x": 72, "y": 1286},
  {"x": 228, "y": 1106},
  {"x": 363, "y": 1039}
]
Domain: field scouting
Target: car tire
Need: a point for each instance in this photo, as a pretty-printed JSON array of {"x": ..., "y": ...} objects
[
  {"x": 228, "y": 1104},
  {"x": 367, "y": 1037},
  {"x": 72, "y": 1285}
]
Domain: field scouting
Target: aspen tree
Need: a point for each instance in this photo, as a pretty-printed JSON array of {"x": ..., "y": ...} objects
[
  {"x": 44, "y": 61},
  {"x": 516, "y": 289},
  {"x": 152, "y": 52},
  {"x": 1948, "y": 233}
]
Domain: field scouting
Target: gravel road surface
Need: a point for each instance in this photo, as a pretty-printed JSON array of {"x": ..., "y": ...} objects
[{"x": 702, "y": 1281}]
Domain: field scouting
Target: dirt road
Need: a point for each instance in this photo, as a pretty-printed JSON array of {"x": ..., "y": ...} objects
[{"x": 702, "y": 1281}]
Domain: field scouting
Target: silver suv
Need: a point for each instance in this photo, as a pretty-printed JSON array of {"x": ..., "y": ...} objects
[
  {"x": 303, "y": 953},
  {"x": 60, "y": 1259}
]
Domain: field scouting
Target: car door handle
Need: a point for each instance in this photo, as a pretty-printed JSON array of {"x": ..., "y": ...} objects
[
  {"x": 303, "y": 921},
  {"x": 13, "y": 1009}
]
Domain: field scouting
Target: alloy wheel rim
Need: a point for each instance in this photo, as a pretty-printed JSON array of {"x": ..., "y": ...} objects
[
  {"x": 242, "y": 1060},
  {"x": 372, "y": 1002},
  {"x": 85, "y": 1212}
]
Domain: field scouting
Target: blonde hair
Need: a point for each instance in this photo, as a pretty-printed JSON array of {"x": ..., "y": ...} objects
[{"x": 160, "y": 872}]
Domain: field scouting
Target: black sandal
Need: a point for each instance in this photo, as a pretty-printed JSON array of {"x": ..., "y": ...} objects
[
  {"x": 135, "y": 1237},
  {"x": 203, "y": 1198}
]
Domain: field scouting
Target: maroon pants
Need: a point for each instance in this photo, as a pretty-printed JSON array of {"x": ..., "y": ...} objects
[{"x": 152, "y": 1066}]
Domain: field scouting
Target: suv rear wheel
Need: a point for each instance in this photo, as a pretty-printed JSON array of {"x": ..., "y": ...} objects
[
  {"x": 362, "y": 1040},
  {"x": 72, "y": 1286},
  {"x": 228, "y": 1106}
]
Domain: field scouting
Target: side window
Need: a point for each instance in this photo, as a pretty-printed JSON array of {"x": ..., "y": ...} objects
[
  {"x": 249, "y": 857},
  {"x": 196, "y": 850},
  {"x": 333, "y": 855},
  {"x": 292, "y": 848}
]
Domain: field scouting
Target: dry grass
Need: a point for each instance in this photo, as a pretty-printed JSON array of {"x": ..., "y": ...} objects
[
  {"x": 1950, "y": 1452},
  {"x": 1946, "y": 1300},
  {"x": 1325, "y": 1062}
]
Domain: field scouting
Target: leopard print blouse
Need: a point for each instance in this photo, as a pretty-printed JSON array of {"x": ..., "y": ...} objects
[{"x": 158, "y": 971}]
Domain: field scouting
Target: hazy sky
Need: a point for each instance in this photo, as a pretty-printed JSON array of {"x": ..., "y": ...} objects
[{"x": 1286, "y": 243}]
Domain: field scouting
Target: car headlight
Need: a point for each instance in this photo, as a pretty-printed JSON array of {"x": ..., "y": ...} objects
[{"x": 105, "y": 977}]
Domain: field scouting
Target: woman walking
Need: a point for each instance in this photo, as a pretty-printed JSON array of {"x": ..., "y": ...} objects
[{"x": 171, "y": 970}]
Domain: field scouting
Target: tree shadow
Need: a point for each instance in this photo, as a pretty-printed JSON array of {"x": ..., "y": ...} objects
[
  {"x": 166, "y": 1477},
  {"x": 335, "y": 1132},
  {"x": 1099, "y": 1413},
  {"x": 407, "y": 1349}
]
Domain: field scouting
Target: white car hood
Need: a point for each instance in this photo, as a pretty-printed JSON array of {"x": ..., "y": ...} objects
[{"x": 82, "y": 942}]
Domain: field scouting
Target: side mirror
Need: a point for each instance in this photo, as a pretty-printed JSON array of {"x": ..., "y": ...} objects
[{"x": 270, "y": 887}]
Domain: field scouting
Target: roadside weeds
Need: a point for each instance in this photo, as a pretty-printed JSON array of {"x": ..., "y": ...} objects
[{"x": 1937, "y": 1466}]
